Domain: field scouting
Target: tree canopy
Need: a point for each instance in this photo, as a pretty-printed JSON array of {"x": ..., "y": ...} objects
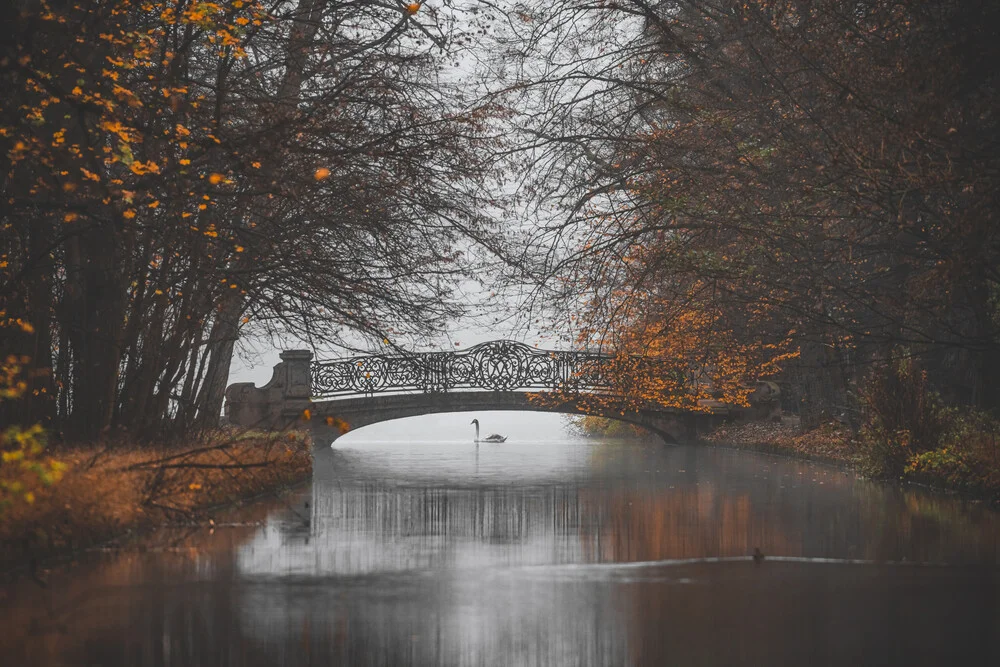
[
  {"x": 737, "y": 181},
  {"x": 178, "y": 171}
]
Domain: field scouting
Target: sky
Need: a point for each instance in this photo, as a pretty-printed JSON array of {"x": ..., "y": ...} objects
[{"x": 492, "y": 318}]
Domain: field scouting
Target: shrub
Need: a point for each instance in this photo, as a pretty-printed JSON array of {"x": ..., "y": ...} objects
[
  {"x": 901, "y": 418},
  {"x": 909, "y": 434},
  {"x": 24, "y": 468}
]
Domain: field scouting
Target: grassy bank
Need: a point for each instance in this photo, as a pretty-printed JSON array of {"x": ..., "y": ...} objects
[
  {"x": 107, "y": 491},
  {"x": 957, "y": 464}
]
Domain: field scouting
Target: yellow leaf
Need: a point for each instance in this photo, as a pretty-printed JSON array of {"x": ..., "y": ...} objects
[
  {"x": 70, "y": 217},
  {"x": 340, "y": 424},
  {"x": 194, "y": 487}
]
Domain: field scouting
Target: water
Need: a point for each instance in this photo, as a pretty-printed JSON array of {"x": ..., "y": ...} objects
[{"x": 539, "y": 553}]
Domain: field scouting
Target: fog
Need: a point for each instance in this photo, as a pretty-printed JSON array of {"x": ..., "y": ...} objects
[{"x": 457, "y": 427}]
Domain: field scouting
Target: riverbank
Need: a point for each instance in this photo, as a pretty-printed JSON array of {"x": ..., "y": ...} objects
[
  {"x": 830, "y": 443},
  {"x": 110, "y": 491},
  {"x": 836, "y": 444}
]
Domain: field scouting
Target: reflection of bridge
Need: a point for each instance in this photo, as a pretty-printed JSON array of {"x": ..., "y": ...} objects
[{"x": 499, "y": 375}]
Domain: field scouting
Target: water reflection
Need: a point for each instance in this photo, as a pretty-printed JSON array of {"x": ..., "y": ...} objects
[{"x": 563, "y": 554}]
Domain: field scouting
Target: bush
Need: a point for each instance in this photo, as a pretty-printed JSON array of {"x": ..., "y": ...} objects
[
  {"x": 25, "y": 469},
  {"x": 908, "y": 433},
  {"x": 941, "y": 465},
  {"x": 901, "y": 418},
  {"x": 602, "y": 427}
]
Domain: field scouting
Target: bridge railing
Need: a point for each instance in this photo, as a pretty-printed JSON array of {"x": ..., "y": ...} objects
[
  {"x": 299, "y": 384},
  {"x": 495, "y": 366},
  {"x": 504, "y": 366}
]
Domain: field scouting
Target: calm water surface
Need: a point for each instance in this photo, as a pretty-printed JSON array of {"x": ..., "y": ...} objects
[{"x": 539, "y": 553}]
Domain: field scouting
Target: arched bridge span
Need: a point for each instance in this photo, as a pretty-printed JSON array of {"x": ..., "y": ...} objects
[{"x": 499, "y": 375}]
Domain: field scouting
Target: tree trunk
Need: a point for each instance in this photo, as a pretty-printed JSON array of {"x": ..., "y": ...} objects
[
  {"x": 96, "y": 328},
  {"x": 221, "y": 342}
]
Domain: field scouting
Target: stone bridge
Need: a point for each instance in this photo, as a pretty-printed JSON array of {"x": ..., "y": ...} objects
[{"x": 499, "y": 375}]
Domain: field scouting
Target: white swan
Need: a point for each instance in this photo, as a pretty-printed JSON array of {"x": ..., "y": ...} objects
[{"x": 494, "y": 437}]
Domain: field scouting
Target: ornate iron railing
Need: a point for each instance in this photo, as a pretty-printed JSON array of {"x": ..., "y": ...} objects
[{"x": 501, "y": 365}]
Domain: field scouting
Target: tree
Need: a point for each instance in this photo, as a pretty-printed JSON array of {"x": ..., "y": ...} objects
[
  {"x": 177, "y": 172},
  {"x": 811, "y": 171}
]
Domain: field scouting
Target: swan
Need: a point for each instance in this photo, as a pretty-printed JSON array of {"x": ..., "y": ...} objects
[{"x": 494, "y": 437}]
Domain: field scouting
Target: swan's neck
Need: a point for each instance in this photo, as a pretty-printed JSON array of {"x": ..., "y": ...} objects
[{"x": 477, "y": 431}]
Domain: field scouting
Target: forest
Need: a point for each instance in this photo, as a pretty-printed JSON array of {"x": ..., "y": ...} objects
[{"x": 801, "y": 191}]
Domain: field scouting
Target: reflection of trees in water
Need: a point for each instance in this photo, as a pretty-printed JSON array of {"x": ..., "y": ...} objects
[
  {"x": 915, "y": 525},
  {"x": 376, "y": 527},
  {"x": 684, "y": 523},
  {"x": 517, "y": 621},
  {"x": 376, "y": 573},
  {"x": 131, "y": 606},
  {"x": 806, "y": 614},
  {"x": 728, "y": 503}
]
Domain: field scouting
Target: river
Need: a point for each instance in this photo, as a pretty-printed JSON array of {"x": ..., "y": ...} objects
[{"x": 549, "y": 552}]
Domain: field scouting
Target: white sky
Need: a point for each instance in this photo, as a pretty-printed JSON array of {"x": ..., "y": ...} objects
[{"x": 493, "y": 317}]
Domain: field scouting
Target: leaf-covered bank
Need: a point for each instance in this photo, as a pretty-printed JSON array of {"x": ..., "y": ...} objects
[
  {"x": 106, "y": 492},
  {"x": 830, "y": 442},
  {"x": 957, "y": 463}
]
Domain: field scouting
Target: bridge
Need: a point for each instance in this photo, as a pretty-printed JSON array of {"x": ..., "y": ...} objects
[{"x": 498, "y": 375}]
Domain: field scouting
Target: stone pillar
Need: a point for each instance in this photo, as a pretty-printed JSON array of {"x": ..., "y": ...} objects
[
  {"x": 280, "y": 402},
  {"x": 292, "y": 382}
]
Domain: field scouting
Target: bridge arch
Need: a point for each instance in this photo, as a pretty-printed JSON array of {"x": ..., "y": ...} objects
[{"x": 359, "y": 412}]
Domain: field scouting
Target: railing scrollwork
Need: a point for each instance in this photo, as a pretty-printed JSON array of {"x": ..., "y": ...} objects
[{"x": 501, "y": 365}]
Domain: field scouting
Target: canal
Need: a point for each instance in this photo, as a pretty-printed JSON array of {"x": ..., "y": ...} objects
[{"x": 553, "y": 551}]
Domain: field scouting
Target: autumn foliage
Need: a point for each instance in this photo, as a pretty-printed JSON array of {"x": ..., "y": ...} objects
[
  {"x": 741, "y": 181},
  {"x": 108, "y": 491},
  {"x": 178, "y": 174}
]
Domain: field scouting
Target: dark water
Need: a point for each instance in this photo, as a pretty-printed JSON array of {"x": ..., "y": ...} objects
[{"x": 539, "y": 554}]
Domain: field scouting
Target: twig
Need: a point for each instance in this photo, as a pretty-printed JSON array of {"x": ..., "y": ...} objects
[{"x": 213, "y": 466}]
